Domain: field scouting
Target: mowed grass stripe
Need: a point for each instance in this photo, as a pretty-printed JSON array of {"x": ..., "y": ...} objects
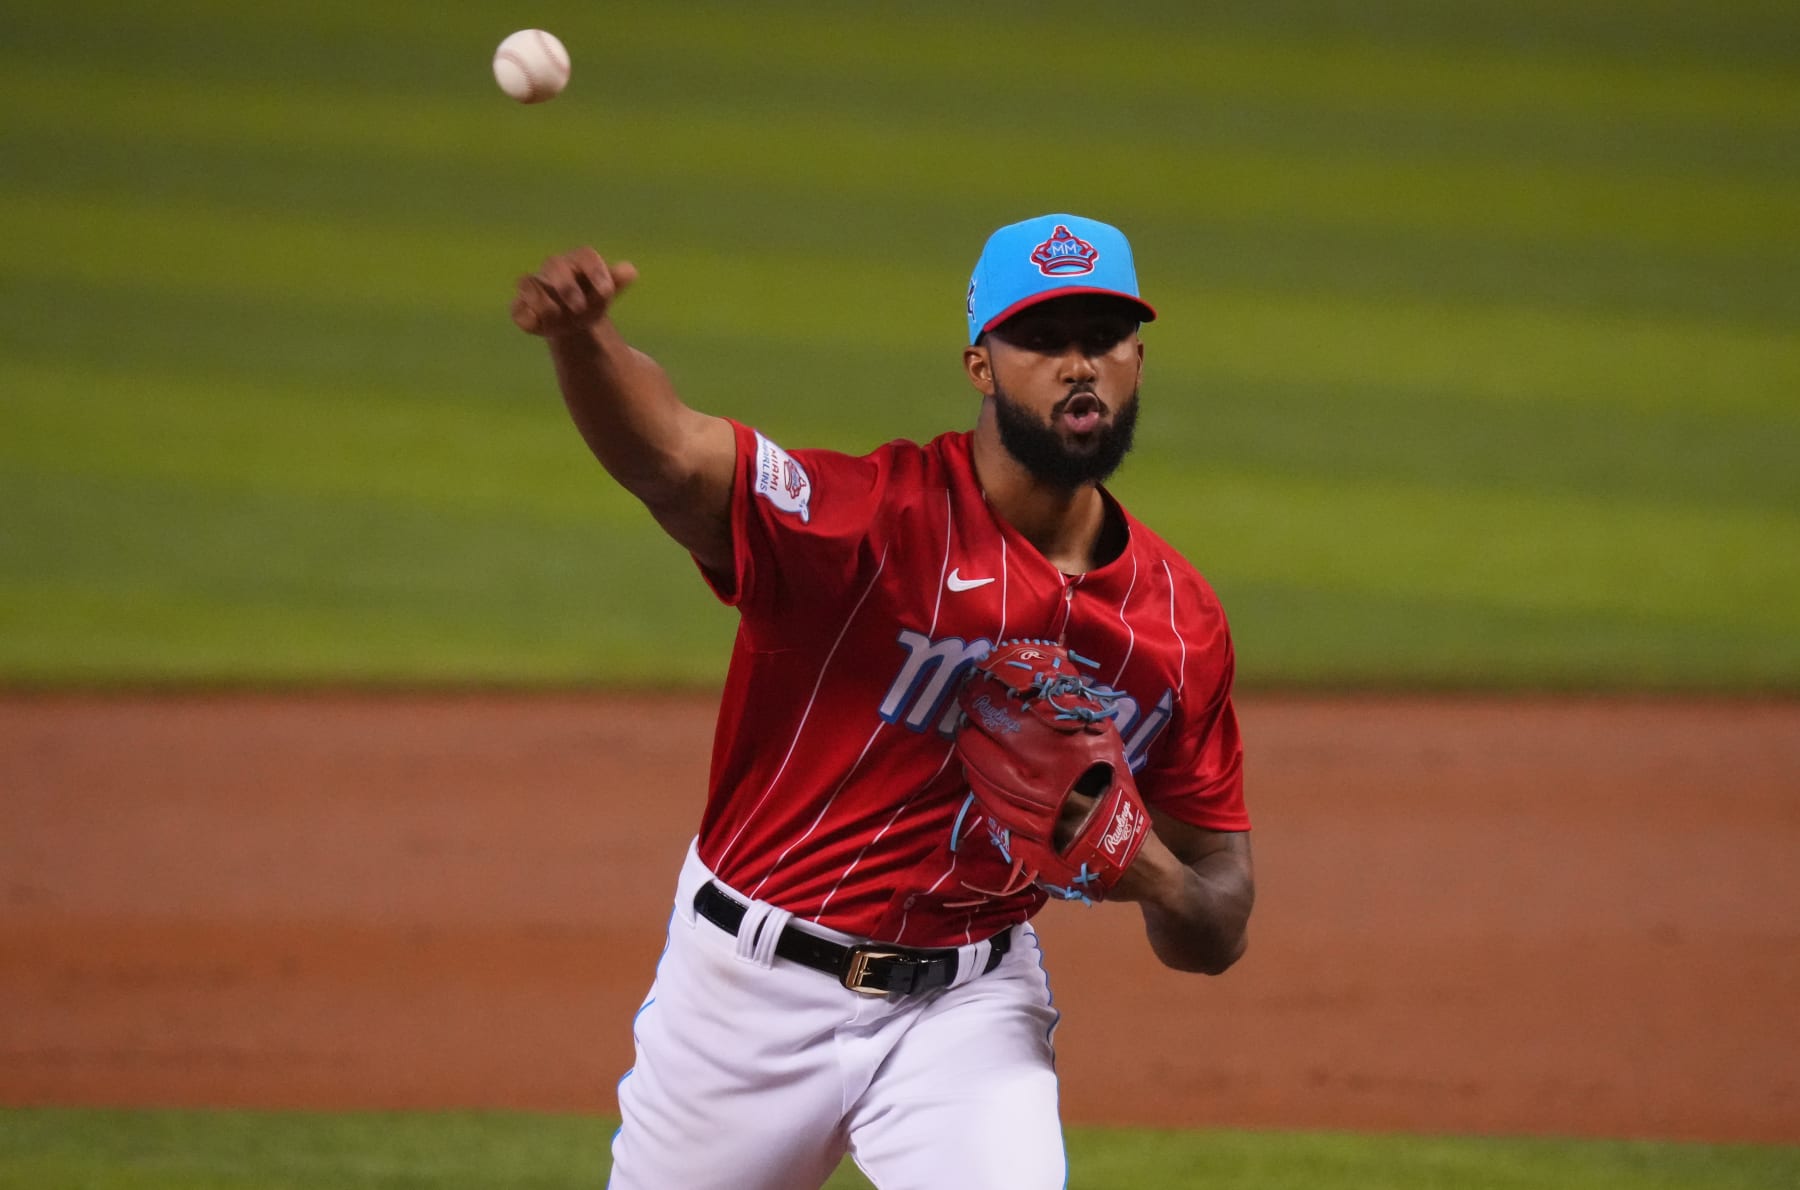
[
  {"x": 145, "y": 579},
  {"x": 446, "y": 391},
  {"x": 414, "y": 506},
  {"x": 1730, "y": 34},
  {"x": 1253, "y": 253},
  {"x": 109, "y": 1149},
  {"x": 1488, "y": 352},
  {"x": 1187, "y": 60},
  {"x": 466, "y": 387},
  {"x": 513, "y": 455},
  {"x": 1511, "y": 549},
  {"x": 1491, "y": 353},
  {"x": 164, "y": 632},
  {"x": 1663, "y": 456},
  {"x": 1175, "y": 55},
  {"x": 866, "y": 82},
  {"x": 333, "y": 425},
  {"x": 805, "y": 152},
  {"x": 1309, "y": 636}
]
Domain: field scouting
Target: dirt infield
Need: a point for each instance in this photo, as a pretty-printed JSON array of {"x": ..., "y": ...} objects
[{"x": 1479, "y": 916}]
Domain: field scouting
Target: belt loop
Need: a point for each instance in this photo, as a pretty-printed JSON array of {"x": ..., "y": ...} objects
[
  {"x": 971, "y": 962},
  {"x": 759, "y": 932}
]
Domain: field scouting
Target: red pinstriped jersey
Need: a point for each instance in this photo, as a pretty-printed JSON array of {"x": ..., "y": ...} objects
[{"x": 866, "y": 587}]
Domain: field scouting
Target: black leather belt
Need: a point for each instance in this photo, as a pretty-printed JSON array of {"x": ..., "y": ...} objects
[{"x": 873, "y": 968}]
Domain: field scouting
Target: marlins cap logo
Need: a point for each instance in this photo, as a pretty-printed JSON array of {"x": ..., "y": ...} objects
[{"x": 1064, "y": 254}]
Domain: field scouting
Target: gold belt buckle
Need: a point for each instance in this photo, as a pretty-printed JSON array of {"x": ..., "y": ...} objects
[{"x": 860, "y": 958}]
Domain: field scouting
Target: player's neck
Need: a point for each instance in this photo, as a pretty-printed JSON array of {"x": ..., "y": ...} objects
[{"x": 1065, "y": 526}]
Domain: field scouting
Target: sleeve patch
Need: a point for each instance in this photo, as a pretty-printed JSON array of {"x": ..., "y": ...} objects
[{"x": 781, "y": 480}]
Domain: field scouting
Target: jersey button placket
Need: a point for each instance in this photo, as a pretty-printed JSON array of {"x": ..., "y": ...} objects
[{"x": 1068, "y": 610}]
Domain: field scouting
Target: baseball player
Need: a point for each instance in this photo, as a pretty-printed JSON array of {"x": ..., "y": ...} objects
[{"x": 965, "y": 679}]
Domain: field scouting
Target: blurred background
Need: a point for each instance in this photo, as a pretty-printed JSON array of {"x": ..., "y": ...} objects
[
  {"x": 1477, "y": 371},
  {"x": 1478, "y": 363}
]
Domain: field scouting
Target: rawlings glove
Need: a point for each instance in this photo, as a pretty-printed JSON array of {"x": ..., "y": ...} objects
[{"x": 1032, "y": 732}]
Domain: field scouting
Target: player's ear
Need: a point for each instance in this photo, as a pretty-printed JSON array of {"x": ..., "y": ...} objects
[{"x": 979, "y": 365}]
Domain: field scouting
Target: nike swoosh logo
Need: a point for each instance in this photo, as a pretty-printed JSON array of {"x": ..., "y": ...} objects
[{"x": 957, "y": 582}]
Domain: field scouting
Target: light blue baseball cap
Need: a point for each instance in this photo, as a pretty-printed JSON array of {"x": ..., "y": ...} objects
[{"x": 1048, "y": 257}]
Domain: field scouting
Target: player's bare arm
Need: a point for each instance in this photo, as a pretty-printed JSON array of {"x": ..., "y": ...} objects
[
  {"x": 1196, "y": 888},
  {"x": 678, "y": 461}
]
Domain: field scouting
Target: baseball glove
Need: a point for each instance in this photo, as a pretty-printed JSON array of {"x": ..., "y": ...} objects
[{"x": 1032, "y": 732}]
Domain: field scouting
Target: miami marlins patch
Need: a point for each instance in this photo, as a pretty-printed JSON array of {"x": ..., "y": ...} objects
[
  {"x": 781, "y": 480},
  {"x": 1064, "y": 254}
]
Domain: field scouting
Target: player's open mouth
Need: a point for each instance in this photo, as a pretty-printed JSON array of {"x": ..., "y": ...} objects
[{"x": 1082, "y": 413}]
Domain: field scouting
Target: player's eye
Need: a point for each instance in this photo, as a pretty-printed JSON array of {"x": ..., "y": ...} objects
[{"x": 1103, "y": 339}]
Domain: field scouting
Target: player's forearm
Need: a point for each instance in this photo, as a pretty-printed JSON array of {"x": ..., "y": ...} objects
[
  {"x": 679, "y": 462},
  {"x": 626, "y": 409},
  {"x": 1197, "y": 916},
  {"x": 675, "y": 460}
]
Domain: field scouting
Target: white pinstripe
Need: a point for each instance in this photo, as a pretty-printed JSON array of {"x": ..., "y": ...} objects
[
  {"x": 800, "y": 728},
  {"x": 900, "y": 933},
  {"x": 823, "y": 810},
  {"x": 943, "y": 572},
  {"x": 944, "y": 566},
  {"x": 1000, "y": 632},
  {"x": 956, "y": 856},
  {"x": 968, "y": 907},
  {"x": 1131, "y": 644},
  {"x": 1070, "y": 585},
  {"x": 1181, "y": 681}
]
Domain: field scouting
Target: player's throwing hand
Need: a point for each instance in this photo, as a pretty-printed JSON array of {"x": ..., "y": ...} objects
[{"x": 570, "y": 294}]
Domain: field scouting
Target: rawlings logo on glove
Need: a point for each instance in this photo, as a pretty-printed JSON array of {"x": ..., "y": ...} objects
[{"x": 1031, "y": 733}]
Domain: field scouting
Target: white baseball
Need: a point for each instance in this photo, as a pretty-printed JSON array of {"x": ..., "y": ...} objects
[{"x": 531, "y": 66}]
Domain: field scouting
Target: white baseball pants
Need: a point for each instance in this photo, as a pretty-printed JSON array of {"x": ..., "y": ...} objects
[{"x": 755, "y": 1073}]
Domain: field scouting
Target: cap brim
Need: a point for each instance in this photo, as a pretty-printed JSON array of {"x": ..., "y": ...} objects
[{"x": 1147, "y": 312}]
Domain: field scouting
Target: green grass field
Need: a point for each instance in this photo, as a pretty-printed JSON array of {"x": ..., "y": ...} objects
[
  {"x": 1478, "y": 364},
  {"x": 167, "y": 1150}
]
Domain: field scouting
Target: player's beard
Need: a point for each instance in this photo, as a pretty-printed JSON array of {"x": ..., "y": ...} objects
[{"x": 1037, "y": 446}]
